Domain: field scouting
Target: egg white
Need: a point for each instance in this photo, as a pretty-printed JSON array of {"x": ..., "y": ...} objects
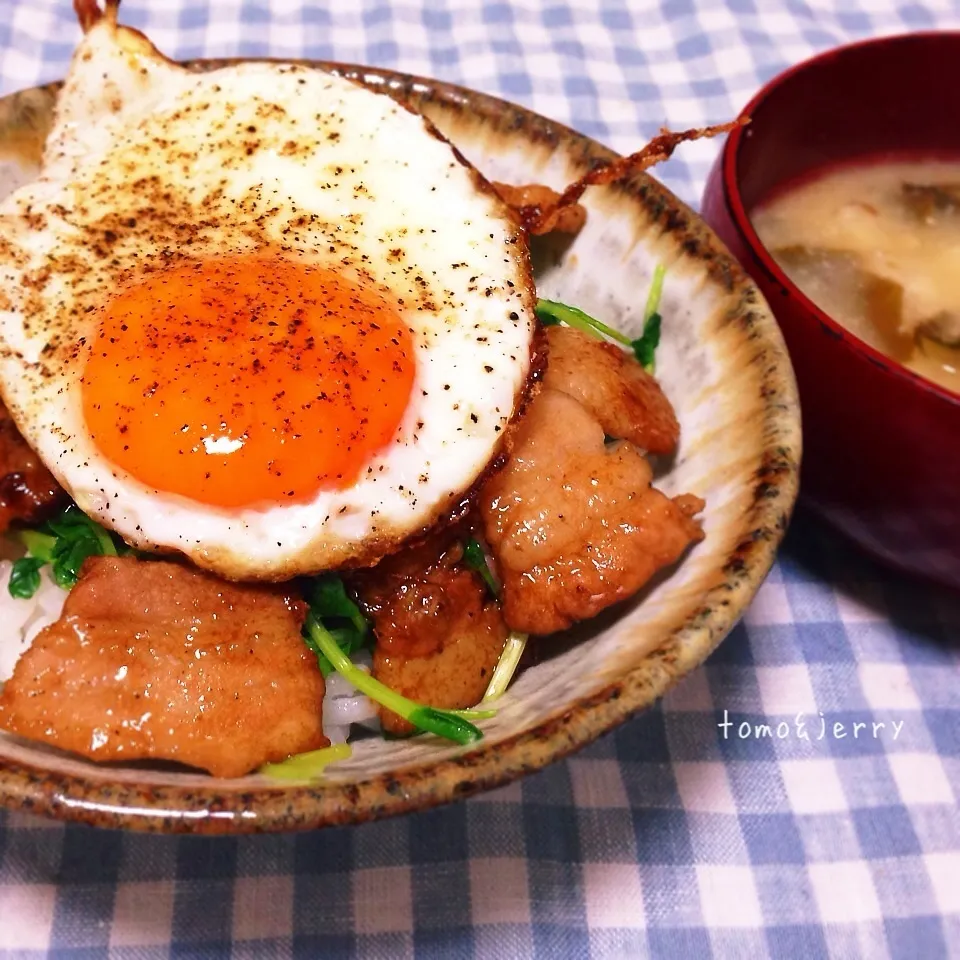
[{"x": 150, "y": 164}]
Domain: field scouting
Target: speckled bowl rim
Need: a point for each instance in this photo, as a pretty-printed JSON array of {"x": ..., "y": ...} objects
[{"x": 197, "y": 809}]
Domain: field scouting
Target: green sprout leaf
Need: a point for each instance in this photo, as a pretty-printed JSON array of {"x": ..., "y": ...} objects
[
  {"x": 39, "y": 545},
  {"x": 25, "y": 577},
  {"x": 476, "y": 560},
  {"x": 64, "y": 542},
  {"x": 341, "y": 617},
  {"x": 444, "y": 723},
  {"x": 646, "y": 344},
  {"x": 78, "y": 537},
  {"x": 329, "y": 598}
]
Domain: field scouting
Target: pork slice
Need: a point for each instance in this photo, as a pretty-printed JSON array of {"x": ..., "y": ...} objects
[{"x": 156, "y": 660}]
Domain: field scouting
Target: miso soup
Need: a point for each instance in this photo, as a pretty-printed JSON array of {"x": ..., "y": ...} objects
[{"x": 877, "y": 247}]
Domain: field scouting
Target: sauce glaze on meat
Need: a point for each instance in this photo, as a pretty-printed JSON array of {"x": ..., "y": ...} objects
[
  {"x": 156, "y": 660},
  {"x": 28, "y": 491},
  {"x": 439, "y": 633}
]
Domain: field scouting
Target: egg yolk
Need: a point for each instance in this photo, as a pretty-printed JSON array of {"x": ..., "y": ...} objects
[{"x": 246, "y": 381}]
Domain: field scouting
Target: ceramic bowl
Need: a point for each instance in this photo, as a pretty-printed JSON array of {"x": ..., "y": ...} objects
[
  {"x": 882, "y": 461},
  {"x": 724, "y": 366}
]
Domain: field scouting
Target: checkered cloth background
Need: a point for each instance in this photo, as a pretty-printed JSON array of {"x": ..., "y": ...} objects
[{"x": 687, "y": 833}]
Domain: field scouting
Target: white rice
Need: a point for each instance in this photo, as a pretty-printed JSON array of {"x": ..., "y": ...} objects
[
  {"x": 343, "y": 705},
  {"x": 22, "y": 620}
]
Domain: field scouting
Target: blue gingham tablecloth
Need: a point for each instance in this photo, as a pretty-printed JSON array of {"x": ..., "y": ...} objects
[{"x": 795, "y": 798}]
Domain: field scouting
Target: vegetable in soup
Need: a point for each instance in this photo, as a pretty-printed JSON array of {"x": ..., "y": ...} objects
[{"x": 877, "y": 246}]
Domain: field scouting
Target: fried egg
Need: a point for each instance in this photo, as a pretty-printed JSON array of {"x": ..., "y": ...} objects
[{"x": 262, "y": 316}]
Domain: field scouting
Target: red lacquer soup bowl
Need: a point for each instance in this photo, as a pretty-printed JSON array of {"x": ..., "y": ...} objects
[{"x": 881, "y": 445}]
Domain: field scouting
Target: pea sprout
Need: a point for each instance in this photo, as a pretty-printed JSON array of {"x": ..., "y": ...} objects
[
  {"x": 307, "y": 766},
  {"x": 552, "y": 312},
  {"x": 506, "y": 666},
  {"x": 453, "y": 725}
]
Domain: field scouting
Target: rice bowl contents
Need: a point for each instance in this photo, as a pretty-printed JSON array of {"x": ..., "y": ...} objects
[
  {"x": 344, "y": 706},
  {"x": 24, "y": 618},
  {"x": 526, "y": 504},
  {"x": 155, "y": 660}
]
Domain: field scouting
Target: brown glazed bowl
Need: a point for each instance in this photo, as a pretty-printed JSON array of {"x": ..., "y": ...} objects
[
  {"x": 882, "y": 445},
  {"x": 723, "y": 364}
]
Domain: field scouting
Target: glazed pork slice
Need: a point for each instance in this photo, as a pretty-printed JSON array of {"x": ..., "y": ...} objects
[
  {"x": 28, "y": 491},
  {"x": 155, "y": 660},
  {"x": 626, "y": 401},
  {"x": 574, "y": 524},
  {"x": 439, "y": 634},
  {"x": 528, "y": 202}
]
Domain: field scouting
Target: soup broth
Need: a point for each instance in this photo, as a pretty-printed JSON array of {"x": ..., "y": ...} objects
[{"x": 877, "y": 247}]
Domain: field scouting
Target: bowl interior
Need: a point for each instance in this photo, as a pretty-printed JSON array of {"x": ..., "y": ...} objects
[{"x": 722, "y": 363}]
